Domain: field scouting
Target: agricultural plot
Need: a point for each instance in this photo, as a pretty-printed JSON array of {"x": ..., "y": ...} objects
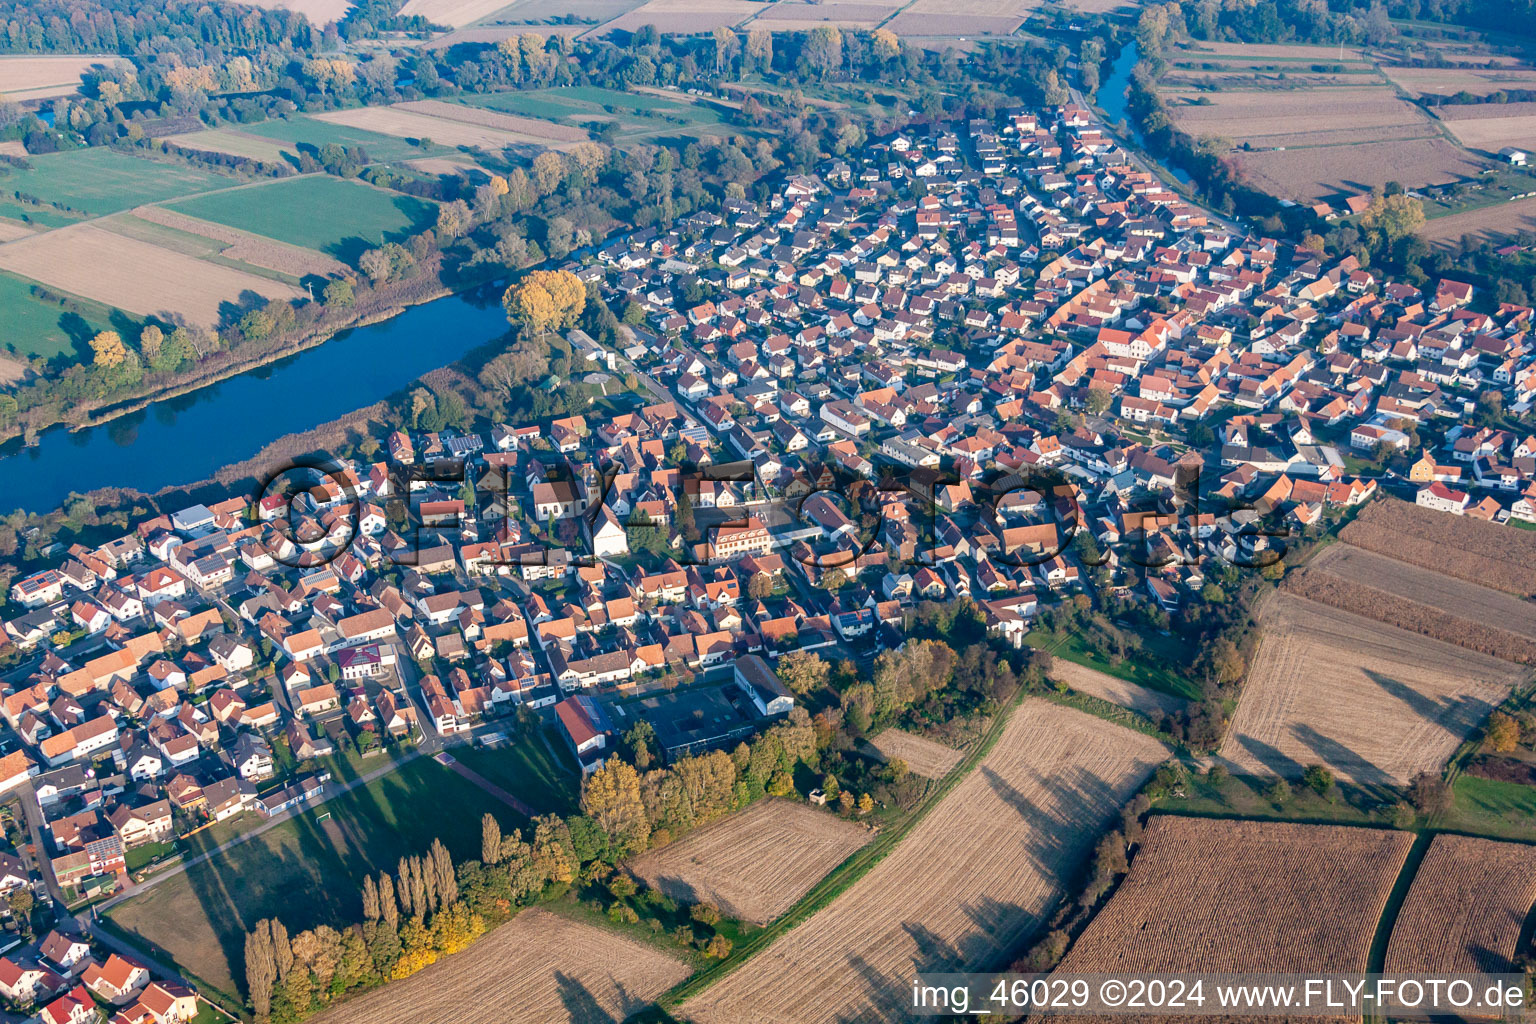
[
  {"x": 336, "y": 217},
  {"x": 638, "y": 114},
  {"x": 1465, "y": 909},
  {"x": 682, "y": 17},
  {"x": 961, "y": 17},
  {"x": 754, "y": 864},
  {"x": 35, "y": 326},
  {"x": 803, "y": 15},
  {"x": 410, "y": 124},
  {"x": 1420, "y": 601},
  {"x": 246, "y": 247},
  {"x": 299, "y": 132},
  {"x": 1491, "y": 126},
  {"x": 1266, "y": 119},
  {"x": 965, "y": 888},
  {"x": 136, "y": 276},
  {"x": 1214, "y": 895},
  {"x": 231, "y": 142},
  {"x": 925, "y": 757},
  {"x": 318, "y": 11},
  {"x": 537, "y": 967},
  {"x": 453, "y": 13},
  {"x": 1468, "y": 549},
  {"x": 1485, "y": 223},
  {"x": 1304, "y": 174},
  {"x": 1450, "y": 81},
  {"x": 1375, "y": 704},
  {"x": 39, "y": 78},
  {"x": 541, "y": 12},
  {"x": 1115, "y": 689},
  {"x": 525, "y": 126},
  {"x": 100, "y": 180}
]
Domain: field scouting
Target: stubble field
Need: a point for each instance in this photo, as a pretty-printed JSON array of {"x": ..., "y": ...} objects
[
  {"x": 232, "y": 142},
  {"x": 537, "y": 967},
  {"x": 964, "y": 889},
  {"x": 1375, "y": 704},
  {"x": 1318, "y": 171},
  {"x": 1114, "y": 689},
  {"x": 803, "y": 15},
  {"x": 1486, "y": 223},
  {"x": 407, "y": 124},
  {"x": 1469, "y": 549},
  {"x": 528, "y": 126},
  {"x": 1449, "y": 81},
  {"x": 245, "y": 247},
  {"x": 1492, "y": 126},
  {"x": 925, "y": 757},
  {"x": 318, "y": 11},
  {"x": 453, "y": 13},
  {"x": 961, "y": 17},
  {"x": 684, "y": 17},
  {"x": 754, "y": 864},
  {"x": 1465, "y": 908},
  {"x": 44, "y": 77}
]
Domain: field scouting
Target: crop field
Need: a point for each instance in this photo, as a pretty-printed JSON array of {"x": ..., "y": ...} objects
[
  {"x": 535, "y": 12},
  {"x": 100, "y": 180},
  {"x": 965, "y": 888},
  {"x": 802, "y": 15},
  {"x": 306, "y": 871},
  {"x": 409, "y": 124},
  {"x": 233, "y": 143},
  {"x": 453, "y": 13},
  {"x": 927, "y": 758},
  {"x": 961, "y": 17},
  {"x": 536, "y": 967},
  {"x": 1288, "y": 118},
  {"x": 336, "y": 217},
  {"x": 1209, "y": 894},
  {"x": 1485, "y": 223},
  {"x": 683, "y": 17},
  {"x": 1449, "y": 81},
  {"x": 318, "y": 11},
  {"x": 36, "y": 327},
  {"x": 245, "y": 247},
  {"x": 1114, "y": 689},
  {"x": 1375, "y": 704},
  {"x": 1272, "y": 52},
  {"x": 38, "y": 78},
  {"x": 1328, "y": 170},
  {"x": 1469, "y": 549},
  {"x": 299, "y": 131},
  {"x": 537, "y": 129},
  {"x": 754, "y": 864},
  {"x": 134, "y": 275},
  {"x": 638, "y": 113},
  {"x": 1420, "y": 601},
  {"x": 1465, "y": 908},
  {"x": 11, "y": 230},
  {"x": 1491, "y": 126}
]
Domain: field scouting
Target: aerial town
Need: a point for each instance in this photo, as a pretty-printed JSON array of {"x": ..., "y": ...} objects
[{"x": 1129, "y": 390}]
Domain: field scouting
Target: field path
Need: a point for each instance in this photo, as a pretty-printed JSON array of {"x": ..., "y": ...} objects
[{"x": 487, "y": 785}]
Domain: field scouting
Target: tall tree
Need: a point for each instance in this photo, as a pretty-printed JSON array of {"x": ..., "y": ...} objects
[
  {"x": 490, "y": 839},
  {"x": 442, "y": 867},
  {"x": 370, "y": 899},
  {"x": 389, "y": 909},
  {"x": 282, "y": 950},
  {"x": 260, "y": 970},
  {"x": 611, "y": 797}
]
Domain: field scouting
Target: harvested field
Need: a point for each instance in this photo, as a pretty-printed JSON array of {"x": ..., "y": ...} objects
[
  {"x": 1207, "y": 894},
  {"x": 447, "y": 165},
  {"x": 1449, "y": 81},
  {"x": 453, "y": 13},
  {"x": 318, "y": 11},
  {"x": 925, "y": 757},
  {"x": 963, "y": 17},
  {"x": 1273, "y": 118},
  {"x": 1328, "y": 170},
  {"x": 1486, "y": 553},
  {"x": 1494, "y": 133},
  {"x": 754, "y": 864},
  {"x": 1271, "y": 51},
  {"x": 11, "y": 230},
  {"x": 1114, "y": 689},
  {"x": 542, "y": 11},
  {"x": 1421, "y": 601},
  {"x": 802, "y": 15},
  {"x": 246, "y": 247},
  {"x": 963, "y": 890},
  {"x": 492, "y": 119},
  {"x": 1489, "y": 222},
  {"x": 536, "y": 967},
  {"x": 38, "y": 78},
  {"x": 682, "y": 17},
  {"x": 1465, "y": 908},
  {"x": 406, "y": 124},
  {"x": 1375, "y": 704},
  {"x": 133, "y": 275},
  {"x": 232, "y": 143}
]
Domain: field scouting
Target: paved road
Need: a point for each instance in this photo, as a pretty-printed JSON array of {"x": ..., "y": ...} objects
[
  {"x": 331, "y": 793},
  {"x": 33, "y": 812}
]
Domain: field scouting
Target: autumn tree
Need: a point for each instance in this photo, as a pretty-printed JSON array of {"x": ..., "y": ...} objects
[
  {"x": 545, "y": 299},
  {"x": 611, "y": 797},
  {"x": 260, "y": 970},
  {"x": 1395, "y": 216},
  {"x": 389, "y": 909},
  {"x": 447, "y": 878},
  {"x": 803, "y": 671},
  {"x": 490, "y": 839},
  {"x": 109, "y": 349},
  {"x": 554, "y": 857},
  {"x": 370, "y": 899}
]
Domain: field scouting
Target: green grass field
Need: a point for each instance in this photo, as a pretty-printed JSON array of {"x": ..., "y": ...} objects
[
  {"x": 527, "y": 770},
  {"x": 1154, "y": 668},
  {"x": 101, "y": 180},
  {"x": 639, "y": 114},
  {"x": 1491, "y": 808},
  {"x": 34, "y": 326},
  {"x": 342, "y": 218},
  {"x": 306, "y": 131}
]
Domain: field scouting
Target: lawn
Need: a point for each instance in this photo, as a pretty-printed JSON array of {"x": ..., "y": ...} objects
[
  {"x": 1154, "y": 667},
  {"x": 312, "y": 134},
  {"x": 639, "y": 114},
  {"x": 342, "y": 218},
  {"x": 527, "y": 770},
  {"x": 1492, "y": 808},
  {"x": 306, "y": 871},
  {"x": 35, "y": 326},
  {"x": 100, "y": 180}
]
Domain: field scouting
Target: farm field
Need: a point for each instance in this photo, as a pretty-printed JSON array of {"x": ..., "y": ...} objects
[
  {"x": 318, "y": 11},
  {"x": 802, "y": 15},
  {"x": 638, "y": 114},
  {"x": 1375, "y": 704},
  {"x": 1298, "y": 117},
  {"x": 35, "y": 327},
  {"x": 538, "y": 12},
  {"x": 299, "y": 131},
  {"x": 1449, "y": 81},
  {"x": 305, "y": 870},
  {"x": 1492, "y": 126},
  {"x": 961, "y": 17},
  {"x": 682, "y": 16},
  {"x": 100, "y": 180},
  {"x": 756, "y": 863},
  {"x": 1421, "y": 601},
  {"x": 1487, "y": 222},
  {"x": 44, "y": 77},
  {"x": 1114, "y": 689},
  {"x": 1465, "y": 908},
  {"x": 336, "y": 217},
  {"x": 234, "y": 143},
  {"x": 408, "y": 124},
  {"x": 536, "y": 967},
  {"x": 1484, "y": 553},
  {"x": 134, "y": 275},
  {"x": 965, "y": 887},
  {"x": 1311, "y": 173},
  {"x": 1211, "y": 894},
  {"x": 925, "y": 757},
  {"x": 453, "y": 13},
  {"x": 491, "y": 119},
  {"x": 243, "y": 246}
]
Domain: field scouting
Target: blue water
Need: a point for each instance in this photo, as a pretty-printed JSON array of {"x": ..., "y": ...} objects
[
  {"x": 1113, "y": 98},
  {"x": 186, "y": 439}
]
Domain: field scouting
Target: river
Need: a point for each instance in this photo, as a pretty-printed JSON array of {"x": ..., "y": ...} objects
[
  {"x": 186, "y": 439},
  {"x": 1113, "y": 98}
]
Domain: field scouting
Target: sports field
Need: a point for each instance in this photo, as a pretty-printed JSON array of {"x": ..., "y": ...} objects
[
  {"x": 336, "y": 217},
  {"x": 101, "y": 180}
]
